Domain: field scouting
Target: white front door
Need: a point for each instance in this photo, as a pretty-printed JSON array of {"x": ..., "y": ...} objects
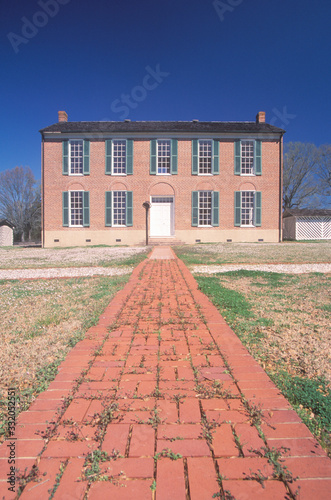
[{"x": 162, "y": 216}]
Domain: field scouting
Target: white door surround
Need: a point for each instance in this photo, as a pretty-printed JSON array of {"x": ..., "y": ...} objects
[{"x": 162, "y": 216}]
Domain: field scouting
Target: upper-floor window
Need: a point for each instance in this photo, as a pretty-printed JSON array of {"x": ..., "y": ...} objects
[
  {"x": 205, "y": 157},
  {"x": 163, "y": 156},
  {"x": 119, "y": 156},
  {"x": 248, "y": 157},
  {"x": 163, "y": 160},
  {"x": 76, "y": 157}
]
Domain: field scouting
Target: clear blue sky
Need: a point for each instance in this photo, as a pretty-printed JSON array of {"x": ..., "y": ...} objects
[{"x": 256, "y": 55}]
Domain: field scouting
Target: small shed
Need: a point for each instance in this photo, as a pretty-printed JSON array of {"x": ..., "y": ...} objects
[
  {"x": 6, "y": 233},
  {"x": 307, "y": 224}
]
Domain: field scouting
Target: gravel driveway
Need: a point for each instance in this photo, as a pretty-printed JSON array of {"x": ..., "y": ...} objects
[
  {"x": 69, "y": 272},
  {"x": 57, "y": 272}
]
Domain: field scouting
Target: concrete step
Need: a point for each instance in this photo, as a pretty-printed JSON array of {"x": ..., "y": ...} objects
[{"x": 164, "y": 241}]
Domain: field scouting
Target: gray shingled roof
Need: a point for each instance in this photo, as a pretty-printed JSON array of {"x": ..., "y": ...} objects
[
  {"x": 154, "y": 127},
  {"x": 304, "y": 212},
  {"x": 6, "y": 222}
]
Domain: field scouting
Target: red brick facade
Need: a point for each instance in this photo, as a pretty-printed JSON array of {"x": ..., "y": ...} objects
[{"x": 144, "y": 185}]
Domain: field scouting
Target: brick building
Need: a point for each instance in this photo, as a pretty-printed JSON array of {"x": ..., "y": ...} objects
[{"x": 205, "y": 182}]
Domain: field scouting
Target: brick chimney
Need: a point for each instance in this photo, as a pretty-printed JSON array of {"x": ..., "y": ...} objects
[
  {"x": 63, "y": 117},
  {"x": 260, "y": 117}
]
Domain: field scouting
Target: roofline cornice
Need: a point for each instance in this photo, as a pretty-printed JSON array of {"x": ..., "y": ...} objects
[{"x": 155, "y": 135}]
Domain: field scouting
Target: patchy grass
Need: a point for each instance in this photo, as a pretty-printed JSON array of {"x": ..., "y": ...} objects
[
  {"x": 284, "y": 321},
  {"x": 312, "y": 400},
  {"x": 255, "y": 253},
  {"x": 41, "y": 320}
]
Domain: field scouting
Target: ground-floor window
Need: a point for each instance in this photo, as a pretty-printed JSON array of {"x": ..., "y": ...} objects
[
  {"x": 119, "y": 208},
  {"x": 76, "y": 208},
  {"x": 248, "y": 208},
  {"x": 205, "y": 208}
]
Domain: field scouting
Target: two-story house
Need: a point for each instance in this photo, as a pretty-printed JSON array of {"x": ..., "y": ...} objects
[{"x": 204, "y": 181}]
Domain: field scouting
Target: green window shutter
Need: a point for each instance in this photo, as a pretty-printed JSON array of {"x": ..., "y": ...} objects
[
  {"x": 174, "y": 156},
  {"x": 108, "y": 208},
  {"x": 129, "y": 157},
  {"x": 129, "y": 208},
  {"x": 195, "y": 208},
  {"x": 108, "y": 146},
  {"x": 215, "y": 215},
  {"x": 216, "y": 158},
  {"x": 65, "y": 157},
  {"x": 258, "y": 208},
  {"x": 195, "y": 157},
  {"x": 86, "y": 208},
  {"x": 237, "y": 208},
  {"x": 258, "y": 157},
  {"x": 237, "y": 157},
  {"x": 153, "y": 165},
  {"x": 86, "y": 159},
  {"x": 65, "y": 208}
]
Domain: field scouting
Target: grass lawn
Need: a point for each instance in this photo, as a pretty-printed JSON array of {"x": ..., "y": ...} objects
[
  {"x": 284, "y": 321},
  {"x": 255, "y": 253},
  {"x": 41, "y": 320}
]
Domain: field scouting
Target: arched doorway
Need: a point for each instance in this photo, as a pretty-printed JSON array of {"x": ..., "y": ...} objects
[{"x": 162, "y": 212}]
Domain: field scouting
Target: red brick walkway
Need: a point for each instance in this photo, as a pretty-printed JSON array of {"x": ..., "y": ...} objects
[{"x": 161, "y": 401}]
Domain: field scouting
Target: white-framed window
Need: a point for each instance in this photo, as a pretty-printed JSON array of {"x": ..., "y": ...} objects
[
  {"x": 205, "y": 157},
  {"x": 247, "y": 157},
  {"x": 163, "y": 156},
  {"x": 119, "y": 157},
  {"x": 205, "y": 208},
  {"x": 119, "y": 208},
  {"x": 76, "y": 157},
  {"x": 247, "y": 208},
  {"x": 76, "y": 208}
]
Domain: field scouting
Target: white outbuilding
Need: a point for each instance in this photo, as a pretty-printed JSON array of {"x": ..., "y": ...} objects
[
  {"x": 307, "y": 224},
  {"x": 6, "y": 233}
]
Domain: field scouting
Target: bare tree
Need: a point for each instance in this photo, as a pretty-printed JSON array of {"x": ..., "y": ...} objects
[
  {"x": 20, "y": 200},
  {"x": 324, "y": 171},
  {"x": 300, "y": 183}
]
